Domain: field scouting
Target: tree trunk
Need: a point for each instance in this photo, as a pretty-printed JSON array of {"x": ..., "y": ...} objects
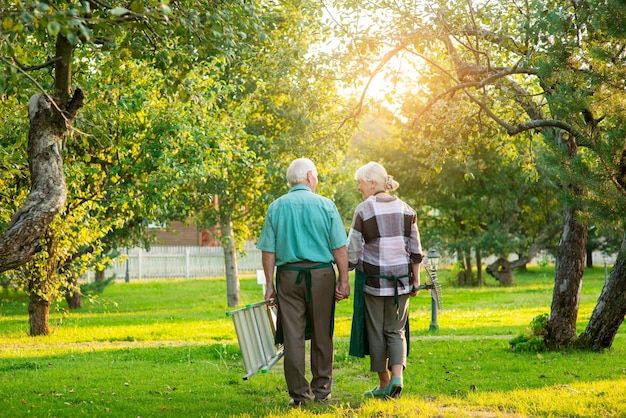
[
  {"x": 49, "y": 123},
  {"x": 609, "y": 313},
  {"x": 502, "y": 271},
  {"x": 589, "y": 258},
  {"x": 48, "y": 193},
  {"x": 479, "y": 267},
  {"x": 569, "y": 271},
  {"x": 38, "y": 315},
  {"x": 465, "y": 275},
  {"x": 469, "y": 274},
  {"x": 461, "y": 274},
  {"x": 47, "y": 196},
  {"x": 230, "y": 262},
  {"x": 74, "y": 299},
  {"x": 73, "y": 296},
  {"x": 99, "y": 276}
]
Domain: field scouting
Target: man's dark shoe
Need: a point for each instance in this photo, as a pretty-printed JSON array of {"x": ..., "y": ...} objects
[
  {"x": 325, "y": 399},
  {"x": 294, "y": 404}
]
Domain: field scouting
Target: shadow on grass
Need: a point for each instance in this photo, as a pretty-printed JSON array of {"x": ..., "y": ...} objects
[{"x": 128, "y": 379}]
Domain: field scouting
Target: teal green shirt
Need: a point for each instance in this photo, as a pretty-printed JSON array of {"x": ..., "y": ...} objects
[{"x": 302, "y": 226}]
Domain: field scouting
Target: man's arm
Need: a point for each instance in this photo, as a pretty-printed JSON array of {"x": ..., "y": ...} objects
[
  {"x": 269, "y": 260},
  {"x": 342, "y": 290}
]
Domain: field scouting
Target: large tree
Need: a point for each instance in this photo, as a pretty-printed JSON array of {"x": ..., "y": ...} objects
[
  {"x": 487, "y": 201},
  {"x": 551, "y": 67},
  {"x": 283, "y": 108},
  {"x": 193, "y": 110},
  {"x": 84, "y": 39}
]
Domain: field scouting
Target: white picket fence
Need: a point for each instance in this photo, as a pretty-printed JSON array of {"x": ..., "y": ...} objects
[
  {"x": 187, "y": 262},
  {"x": 179, "y": 262}
]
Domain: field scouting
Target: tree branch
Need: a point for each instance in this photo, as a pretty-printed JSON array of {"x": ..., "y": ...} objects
[
  {"x": 470, "y": 72},
  {"x": 505, "y": 42},
  {"x": 581, "y": 137},
  {"x": 381, "y": 64},
  {"x": 472, "y": 84},
  {"x": 46, "y": 64}
]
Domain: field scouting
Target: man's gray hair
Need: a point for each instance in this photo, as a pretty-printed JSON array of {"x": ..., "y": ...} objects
[{"x": 298, "y": 169}]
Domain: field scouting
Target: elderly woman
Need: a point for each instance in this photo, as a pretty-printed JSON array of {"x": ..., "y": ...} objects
[{"x": 384, "y": 247}]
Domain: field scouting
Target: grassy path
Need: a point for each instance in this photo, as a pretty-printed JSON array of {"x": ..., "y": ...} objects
[{"x": 167, "y": 349}]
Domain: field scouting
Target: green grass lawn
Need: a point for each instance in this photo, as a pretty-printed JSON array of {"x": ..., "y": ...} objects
[{"x": 168, "y": 349}]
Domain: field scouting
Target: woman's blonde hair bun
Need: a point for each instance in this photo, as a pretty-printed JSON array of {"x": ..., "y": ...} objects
[{"x": 375, "y": 172}]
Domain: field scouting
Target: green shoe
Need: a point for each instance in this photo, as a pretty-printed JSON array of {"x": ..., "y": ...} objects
[
  {"x": 376, "y": 392},
  {"x": 394, "y": 389}
]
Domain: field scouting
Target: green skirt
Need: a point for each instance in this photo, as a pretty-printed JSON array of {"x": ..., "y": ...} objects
[{"x": 359, "y": 346}]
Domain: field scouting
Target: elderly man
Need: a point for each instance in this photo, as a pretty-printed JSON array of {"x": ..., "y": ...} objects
[{"x": 302, "y": 236}]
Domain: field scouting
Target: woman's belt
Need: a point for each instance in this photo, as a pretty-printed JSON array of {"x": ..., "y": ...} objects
[{"x": 396, "y": 279}]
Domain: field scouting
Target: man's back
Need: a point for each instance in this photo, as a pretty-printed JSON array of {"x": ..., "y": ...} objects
[{"x": 300, "y": 226}]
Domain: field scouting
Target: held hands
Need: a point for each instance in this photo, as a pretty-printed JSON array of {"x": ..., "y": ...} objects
[{"x": 342, "y": 290}]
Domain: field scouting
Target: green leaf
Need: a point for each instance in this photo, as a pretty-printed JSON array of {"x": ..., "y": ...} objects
[
  {"x": 72, "y": 38},
  {"x": 119, "y": 11},
  {"x": 7, "y": 23},
  {"x": 53, "y": 28},
  {"x": 165, "y": 9},
  {"x": 137, "y": 6},
  {"x": 42, "y": 7},
  {"x": 86, "y": 7},
  {"x": 85, "y": 32}
]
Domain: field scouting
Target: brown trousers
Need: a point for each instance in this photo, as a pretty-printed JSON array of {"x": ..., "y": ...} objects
[{"x": 293, "y": 312}]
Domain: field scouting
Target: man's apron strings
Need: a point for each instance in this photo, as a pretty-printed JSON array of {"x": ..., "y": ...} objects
[{"x": 304, "y": 273}]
